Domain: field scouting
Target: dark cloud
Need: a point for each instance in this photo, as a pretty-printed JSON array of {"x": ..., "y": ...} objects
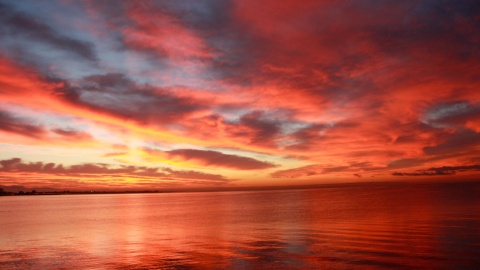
[
  {"x": 260, "y": 128},
  {"x": 458, "y": 142},
  {"x": 454, "y": 114},
  {"x": 405, "y": 162},
  {"x": 257, "y": 127},
  {"x": 9, "y": 163},
  {"x": 209, "y": 14},
  {"x": 424, "y": 173},
  {"x": 16, "y": 165},
  {"x": 309, "y": 133},
  {"x": 311, "y": 170},
  {"x": 218, "y": 159},
  {"x": 15, "y": 23},
  {"x": 114, "y": 81},
  {"x": 458, "y": 168},
  {"x": 307, "y": 47},
  {"x": 305, "y": 138},
  {"x": 298, "y": 172},
  {"x": 24, "y": 127},
  {"x": 72, "y": 134},
  {"x": 195, "y": 175},
  {"x": 445, "y": 170},
  {"x": 408, "y": 133},
  {"x": 20, "y": 126},
  {"x": 428, "y": 22},
  {"x": 116, "y": 94}
]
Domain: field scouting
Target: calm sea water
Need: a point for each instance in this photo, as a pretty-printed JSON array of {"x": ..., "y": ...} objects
[{"x": 398, "y": 226}]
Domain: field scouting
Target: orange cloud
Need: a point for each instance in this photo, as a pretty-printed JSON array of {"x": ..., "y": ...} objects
[
  {"x": 15, "y": 167},
  {"x": 211, "y": 158}
]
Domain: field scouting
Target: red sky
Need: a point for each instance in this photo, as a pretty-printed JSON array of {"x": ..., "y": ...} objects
[{"x": 166, "y": 94}]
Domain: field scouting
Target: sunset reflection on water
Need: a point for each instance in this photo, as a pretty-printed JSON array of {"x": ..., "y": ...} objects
[{"x": 373, "y": 226}]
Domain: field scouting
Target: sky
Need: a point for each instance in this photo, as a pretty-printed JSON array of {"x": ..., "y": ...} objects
[{"x": 229, "y": 93}]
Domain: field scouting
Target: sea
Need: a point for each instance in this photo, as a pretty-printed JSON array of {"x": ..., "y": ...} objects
[{"x": 362, "y": 226}]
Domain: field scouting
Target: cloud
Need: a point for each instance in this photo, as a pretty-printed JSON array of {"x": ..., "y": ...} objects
[
  {"x": 256, "y": 131},
  {"x": 115, "y": 154},
  {"x": 72, "y": 134},
  {"x": 15, "y": 23},
  {"x": 263, "y": 129},
  {"x": 458, "y": 142},
  {"x": 459, "y": 114},
  {"x": 13, "y": 124},
  {"x": 194, "y": 175},
  {"x": 331, "y": 83},
  {"x": 255, "y": 128},
  {"x": 28, "y": 128},
  {"x": 156, "y": 30},
  {"x": 299, "y": 56},
  {"x": 424, "y": 173},
  {"x": 90, "y": 170},
  {"x": 9, "y": 163},
  {"x": 445, "y": 170},
  {"x": 218, "y": 159},
  {"x": 24, "y": 87},
  {"x": 405, "y": 162},
  {"x": 178, "y": 42},
  {"x": 116, "y": 94},
  {"x": 313, "y": 170}
]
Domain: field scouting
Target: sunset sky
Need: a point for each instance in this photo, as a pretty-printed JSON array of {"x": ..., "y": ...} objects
[{"x": 172, "y": 94}]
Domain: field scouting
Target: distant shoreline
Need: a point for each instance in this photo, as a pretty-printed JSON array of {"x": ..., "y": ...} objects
[{"x": 33, "y": 192}]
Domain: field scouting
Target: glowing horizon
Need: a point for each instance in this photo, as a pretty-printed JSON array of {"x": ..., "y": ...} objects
[{"x": 161, "y": 94}]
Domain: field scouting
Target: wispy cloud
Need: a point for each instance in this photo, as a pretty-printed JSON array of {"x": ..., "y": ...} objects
[
  {"x": 445, "y": 170},
  {"x": 15, "y": 23},
  {"x": 16, "y": 166}
]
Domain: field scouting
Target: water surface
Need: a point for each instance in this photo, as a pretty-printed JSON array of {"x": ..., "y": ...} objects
[{"x": 376, "y": 226}]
